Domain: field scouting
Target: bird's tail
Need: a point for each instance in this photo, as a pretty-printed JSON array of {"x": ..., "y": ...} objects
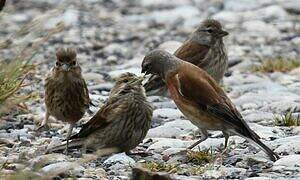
[
  {"x": 75, "y": 143},
  {"x": 255, "y": 138}
]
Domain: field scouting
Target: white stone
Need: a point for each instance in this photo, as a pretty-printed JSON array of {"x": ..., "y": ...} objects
[
  {"x": 58, "y": 168},
  {"x": 160, "y": 3},
  {"x": 241, "y": 5},
  {"x": 292, "y": 147},
  {"x": 116, "y": 73},
  {"x": 172, "y": 129},
  {"x": 120, "y": 158},
  {"x": 167, "y": 113},
  {"x": 227, "y": 17},
  {"x": 170, "y": 46},
  {"x": 260, "y": 28},
  {"x": 170, "y": 16},
  {"x": 290, "y": 160},
  {"x": 161, "y": 144}
]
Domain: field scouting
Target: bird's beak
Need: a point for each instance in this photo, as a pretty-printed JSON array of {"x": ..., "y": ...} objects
[
  {"x": 223, "y": 33},
  {"x": 65, "y": 67},
  {"x": 145, "y": 71}
]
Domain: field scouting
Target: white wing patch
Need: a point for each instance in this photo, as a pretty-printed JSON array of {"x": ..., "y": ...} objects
[{"x": 179, "y": 85}]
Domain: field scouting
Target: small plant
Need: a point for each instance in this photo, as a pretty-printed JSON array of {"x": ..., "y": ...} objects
[
  {"x": 197, "y": 170},
  {"x": 200, "y": 157},
  {"x": 161, "y": 167},
  {"x": 287, "y": 119},
  {"x": 273, "y": 65}
]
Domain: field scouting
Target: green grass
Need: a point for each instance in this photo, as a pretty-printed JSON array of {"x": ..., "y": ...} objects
[
  {"x": 161, "y": 167},
  {"x": 287, "y": 119},
  {"x": 13, "y": 72},
  {"x": 277, "y": 65},
  {"x": 200, "y": 157}
]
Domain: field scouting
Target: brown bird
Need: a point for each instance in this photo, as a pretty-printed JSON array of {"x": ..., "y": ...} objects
[
  {"x": 121, "y": 123},
  {"x": 204, "y": 48},
  {"x": 2, "y": 4},
  {"x": 200, "y": 98},
  {"x": 66, "y": 93}
]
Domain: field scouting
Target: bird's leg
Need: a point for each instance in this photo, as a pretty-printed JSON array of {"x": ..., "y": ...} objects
[
  {"x": 68, "y": 136},
  {"x": 204, "y": 136},
  {"x": 45, "y": 120},
  {"x": 226, "y": 136}
]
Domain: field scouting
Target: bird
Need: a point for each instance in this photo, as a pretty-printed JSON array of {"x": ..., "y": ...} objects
[
  {"x": 199, "y": 97},
  {"x": 2, "y": 4},
  {"x": 66, "y": 92},
  {"x": 120, "y": 124},
  {"x": 203, "y": 48}
]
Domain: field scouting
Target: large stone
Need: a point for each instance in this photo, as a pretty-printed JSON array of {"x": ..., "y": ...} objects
[
  {"x": 120, "y": 158},
  {"x": 170, "y": 46},
  {"x": 289, "y": 161},
  {"x": 172, "y": 129}
]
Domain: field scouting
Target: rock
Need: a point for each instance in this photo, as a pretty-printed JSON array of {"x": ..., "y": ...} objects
[
  {"x": 227, "y": 17},
  {"x": 260, "y": 28},
  {"x": 116, "y": 49},
  {"x": 47, "y": 159},
  {"x": 121, "y": 159},
  {"x": 170, "y": 46},
  {"x": 162, "y": 4},
  {"x": 260, "y": 117},
  {"x": 172, "y": 15},
  {"x": 58, "y": 168},
  {"x": 258, "y": 178},
  {"x": 143, "y": 173},
  {"x": 172, "y": 129},
  {"x": 161, "y": 144},
  {"x": 291, "y": 6},
  {"x": 116, "y": 73},
  {"x": 69, "y": 18},
  {"x": 167, "y": 113},
  {"x": 98, "y": 78},
  {"x": 271, "y": 13},
  {"x": 224, "y": 172},
  {"x": 292, "y": 147},
  {"x": 288, "y": 161},
  {"x": 243, "y": 5},
  {"x": 281, "y": 106}
]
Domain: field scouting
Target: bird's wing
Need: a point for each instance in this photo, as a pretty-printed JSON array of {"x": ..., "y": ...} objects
[
  {"x": 192, "y": 52},
  {"x": 87, "y": 100},
  {"x": 198, "y": 87},
  {"x": 101, "y": 119}
]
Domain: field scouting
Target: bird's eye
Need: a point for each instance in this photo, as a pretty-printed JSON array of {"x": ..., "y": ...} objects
[
  {"x": 58, "y": 63},
  {"x": 209, "y": 30},
  {"x": 125, "y": 81},
  {"x": 73, "y": 63}
]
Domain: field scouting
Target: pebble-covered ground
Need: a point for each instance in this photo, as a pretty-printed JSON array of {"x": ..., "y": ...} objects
[{"x": 112, "y": 36}]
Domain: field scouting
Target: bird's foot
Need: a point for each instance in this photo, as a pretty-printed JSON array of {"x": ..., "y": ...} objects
[
  {"x": 43, "y": 127},
  {"x": 66, "y": 151}
]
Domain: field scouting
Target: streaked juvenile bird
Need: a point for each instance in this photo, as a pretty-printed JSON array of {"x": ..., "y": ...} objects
[
  {"x": 121, "y": 123},
  {"x": 200, "y": 98},
  {"x": 204, "y": 48},
  {"x": 66, "y": 93}
]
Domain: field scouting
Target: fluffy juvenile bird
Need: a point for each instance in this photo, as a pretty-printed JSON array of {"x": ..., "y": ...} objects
[
  {"x": 204, "y": 48},
  {"x": 121, "y": 123},
  {"x": 66, "y": 93},
  {"x": 200, "y": 99}
]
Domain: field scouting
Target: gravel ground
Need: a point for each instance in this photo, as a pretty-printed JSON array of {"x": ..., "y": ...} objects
[{"x": 112, "y": 36}]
